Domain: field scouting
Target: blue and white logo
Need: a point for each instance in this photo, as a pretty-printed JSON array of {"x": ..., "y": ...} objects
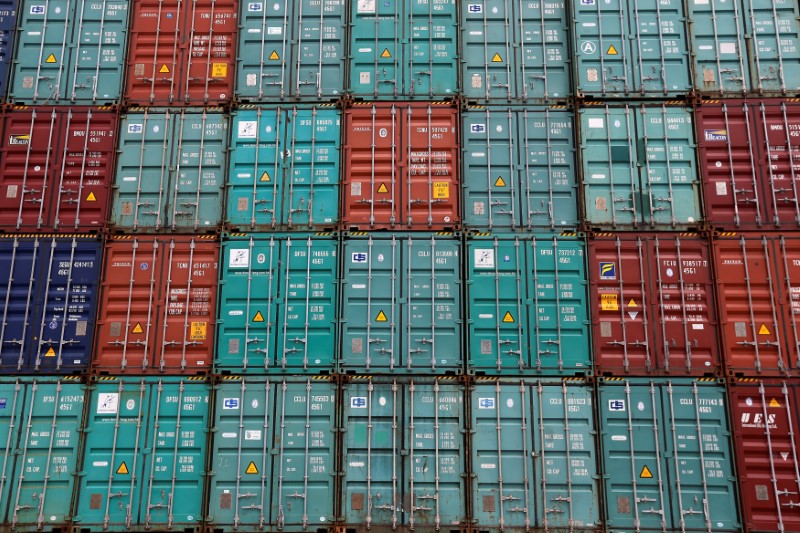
[
  {"x": 359, "y": 257},
  {"x": 485, "y": 403},
  {"x": 135, "y": 128},
  {"x": 254, "y": 7},
  {"x": 37, "y": 10},
  {"x": 477, "y": 128},
  {"x": 358, "y": 402},
  {"x": 230, "y": 403},
  {"x": 475, "y": 8},
  {"x": 608, "y": 270},
  {"x": 616, "y": 405}
]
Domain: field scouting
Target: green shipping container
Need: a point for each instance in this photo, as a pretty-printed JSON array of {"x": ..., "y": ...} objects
[
  {"x": 145, "y": 455},
  {"x": 277, "y": 304},
  {"x": 533, "y": 451},
  {"x": 666, "y": 454},
  {"x": 40, "y": 424},
  {"x": 527, "y": 306},
  {"x": 273, "y": 463}
]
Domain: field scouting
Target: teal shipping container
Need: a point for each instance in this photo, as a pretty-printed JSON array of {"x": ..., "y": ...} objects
[
  {"x": 144, "y": 463},
  {"x": 291, "y": 50},
  {"x": 170, "y": 170},
  {"x": 284, "y": 168},
  {"x": 666, "y": 454},
  {"x": 519, "y": 169},
  {"x": 635, "y": 49},
  {"x": 527, "y": 306},
  {"x": 534, "y": 459},
  {"x": 404, "y": 455},
  {"x": 515, "y": 51},
  {"x": 40, "y": 424},
  {"x": 639, "y": 167},
  {"x": 277, "y": 304},
  {"x": 406, "y": 49},
  {"x": 273, "y": 462},
  {"x": 69, "y": 52},
  {"x": 401, "y": 303}
]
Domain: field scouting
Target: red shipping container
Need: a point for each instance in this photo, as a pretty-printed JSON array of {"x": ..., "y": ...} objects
[
  {"x": 653, "y": 305},
  {"x": 750, "y": 163},
  {"x": 401, "y": 167},
  {"x": 182, "y": 53},
  {"x": 158, "y": 303},
  {"x": 56, "y": 166},
  {"x": 765, "y": 424},
  {"x": 758, "y": 288}
]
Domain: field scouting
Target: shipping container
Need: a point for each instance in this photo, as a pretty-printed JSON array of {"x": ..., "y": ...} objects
[
  {"x": 515, "y": 52},
  {"x": 533, "y": 456},
  {"x": 49, "y": 302},
  {"x": 291, "y": 51},
  {"x": 653, "y": 307},
  {"x": 144, "y": 463},
  {"x": 170, "y": 171},
  {"x": 159, "y": 305},
  {"x": 41, "y": 426},
  {"x": 400, "y": 304},
  {"x": 631, "y": 49},
  {"x": 8, "y": 28},
  {"x": 284, "y": 168},
  {"x": 749, "y": 163},
  {"x": 758, "y": 287},
  {"x": 404, "y": 49},
  {"x": 518, "y": 169},
  {"x": 69, "y": 53},
  {"x": 667, "y": 462},
  {"x": 182, "y": 53},
  {"x": 273, "y": 457},
  {"x": 56, "y": 167},
  {"x": 277, "y": 304},
  {"x": 404, "y": 455},
  {"x": 401, "y": 167},
  {"x": 527, "y": 306},
  {"x": 639, "y": 168}
]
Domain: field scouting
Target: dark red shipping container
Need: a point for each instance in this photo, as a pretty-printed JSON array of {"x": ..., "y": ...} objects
[
  {"x": 401, "y": 167},
  {"x": 750, "y": 163},
  {"x": 765, "y": 424},
  {"x": 158, "y": 305},
  {"x": 652, "y": 303},
  {"x": 56, "y": 166},
  {"x": 758, "y": 289},
  {"x": 182, "y": 53}
]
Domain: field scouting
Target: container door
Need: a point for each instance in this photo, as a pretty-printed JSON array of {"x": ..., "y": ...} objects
[
  {"x": 19, "y": 262},
  {"x": 718, "y": 44},
  {"x": 787, "y": 257},
  {"x": 604, "y": 59},
  {"x": 431, "y": 55},
  {"x": 320, "y": 51},
  {"x": 8, "y": 28},
  {"x": 255, "y": 178},
  {"x": 248, "y": 309},
  {"x": 544, "y": 69},
  {"x": 488, "y": 71},
  {"x": 210, "y": 31},
  {"x": 774, "y": 28},
  {"x": 12, "y": 396},
  {"x": 263, "y": 62},
  {"x": 375, "y": 48},
  {"x": 778, "y": 156}
]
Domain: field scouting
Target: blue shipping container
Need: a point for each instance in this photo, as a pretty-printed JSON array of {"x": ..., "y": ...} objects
[
  {"x": 8, "y": 23},
  {"x": 49, "y": 300}
]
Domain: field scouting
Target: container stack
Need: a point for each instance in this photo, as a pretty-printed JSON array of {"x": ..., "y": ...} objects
[{"x": 345, "y": 265}]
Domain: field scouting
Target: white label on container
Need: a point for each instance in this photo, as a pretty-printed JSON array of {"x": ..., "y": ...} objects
[
  {"x": 229, "y": 435},
  {"x": 706, "y": 47},
  {"x": 357, "y": 464},
  {"x": 478, "y": 154},
  {"x": 255, "y": 7},
  {"x": 100, "y": 463},
  {"x": 230, "y": 403},
  {"x": 366, "y": 6},
  {"x": 616, "y": 405},
  {"x": 619, "y": 437},
  {"x": 248, "y": 129},
  {"x": 107, "y": 403},
  {"x": 698, "y": 326},
  {"x": 129, "y": 178},
  {"x": 239, "y": 258},
  {"x": 274, "y": 30},
  {"x": 727, "y": 48},
  {"x": 135, "y": 128},
  {"x": 365, "y": 50},
  {"x": 700, "y": 2},
  {"x": 484, "y": 258},
  {"x": 359, "y": 286},
  {"x": 598, "y": 176},
  {"x": 596, "y": 123},
  {"x": 488, "y": 466},
  {"x": 364, "y": 78},
  {"x": 476, "y": 33},
  {"x": 485, "y": 315},
  {"x": 252, "y": 434},
  {"x": 355, "y": 189},
  {"x": 358, "y": 402},
  {"x": 722, "y": 188},
  {"x": 485, "y": 403},
  {"x": 237, "y": 312},
  {"x": 589, "y": 24}
]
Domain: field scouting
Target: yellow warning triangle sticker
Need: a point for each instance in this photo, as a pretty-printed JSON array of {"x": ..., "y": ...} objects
[
  {"x": 137, "y": 328},
  {"x": 774, "y": 403},
  {"x": 265, "y": 177},
  {"x": 381, "y": 317},
  {"x": 123, "y": 468},
  {"x": 50, "y": 59},
  {"x": 764, "y": 330},
  {"x": 500, "y": 182},
  {"x": 612, "y": 51},
  {"x": 164, "y": 69},
  {"x": 646, "y": 473},
  {"x": 632, "y": 303},
  {"x": 50, "y": 353},
  {"x": 251, "y": 468},
  {"x": 259, "y": 317},
  {"x": 91, "y": 197},
  {"x": 507, "y": 317},
  {"x": 386, "y": 53},
  {"x": 383, "y": 188},
  {"x": 496, "y": 58},
  {"x": 274, "y": 55}
]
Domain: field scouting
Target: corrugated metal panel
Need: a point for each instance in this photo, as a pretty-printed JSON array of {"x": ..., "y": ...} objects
[
  {"x": 41, "y": 421},
  {"x": 8, "y": 28},
  {"x": 405, "y": 49},
  {"x": 277, "y": 304},
  {"x": 145, "y": 459},
  {"x": 284, "y": 168},
  {"x": 667, "y": 457},
  {"x": 512, "y": 51},
  {"x": 401, "y": 304},
  {"x": 49, "y": 302},
  {"x": 159, "y": 303},
  {"x": 401, "y": 167},
  {"x": 170, "y": 170},
  {"x": 291, "y": 50},
  {"x": 639, "y": 168},
  {"x": 653, "y": 305},
  {"x": 527, "y": 306},
  {"x": 56, "y": 167},
  {"x": 273, "y": 455},
  {"x": 403, "y": 454},
  {"x": 773, "y": 29},
  {"x": 519, "y": 169},
  {"x": 70, "y": 52},
  {"x": 533, "y": 453}
]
